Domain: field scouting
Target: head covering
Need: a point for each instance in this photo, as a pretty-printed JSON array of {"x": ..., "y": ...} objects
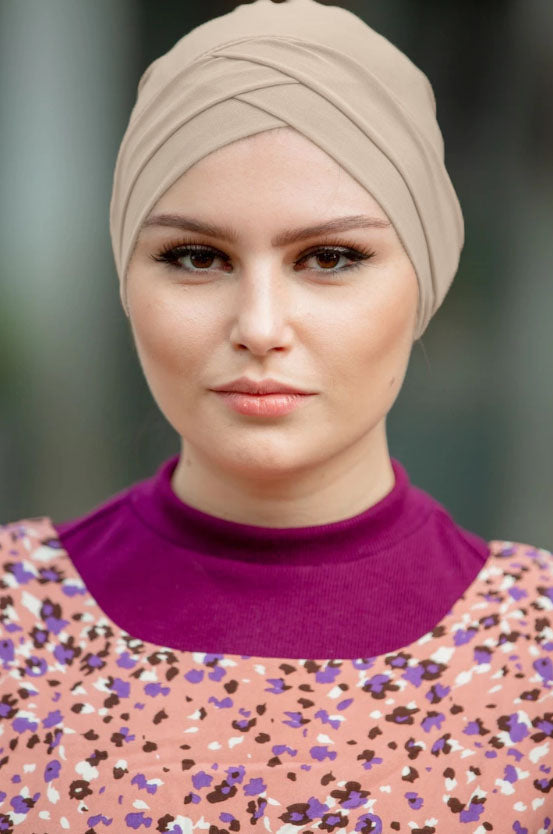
[{"x": 322, "y": 71}]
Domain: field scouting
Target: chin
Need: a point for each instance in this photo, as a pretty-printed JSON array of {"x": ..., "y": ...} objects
[{"x": 255, "y": 465}]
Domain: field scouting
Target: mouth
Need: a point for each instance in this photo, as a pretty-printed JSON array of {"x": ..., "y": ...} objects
[
  {"x": 274, "y": 404},
  {"x": 245, "y": 385}
]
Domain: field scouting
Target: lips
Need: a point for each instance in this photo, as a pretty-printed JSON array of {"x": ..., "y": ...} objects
[
  {"x": 262, "y": 405},
  {"x": 262, "y": 387}
]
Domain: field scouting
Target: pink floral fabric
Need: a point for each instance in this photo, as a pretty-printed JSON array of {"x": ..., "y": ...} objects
[{"x": 103, "y": 732}]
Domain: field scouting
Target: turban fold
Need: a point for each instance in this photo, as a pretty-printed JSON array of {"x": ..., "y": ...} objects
[{"x": 322, "y": 71}]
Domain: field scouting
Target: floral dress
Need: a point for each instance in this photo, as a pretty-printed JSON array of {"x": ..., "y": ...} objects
[{"x": 103, "y": 732}]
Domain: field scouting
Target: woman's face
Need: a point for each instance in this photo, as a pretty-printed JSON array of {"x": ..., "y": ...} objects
[{"x": 317, "y": 313}]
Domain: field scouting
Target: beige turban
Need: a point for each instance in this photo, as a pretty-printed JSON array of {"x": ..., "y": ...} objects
[{"x": 322, "y": 71}]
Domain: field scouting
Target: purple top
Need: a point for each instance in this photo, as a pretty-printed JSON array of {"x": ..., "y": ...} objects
[{"x": 175, "y": 576}]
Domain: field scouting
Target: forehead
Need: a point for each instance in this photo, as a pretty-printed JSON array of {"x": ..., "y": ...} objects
[{"x": 277, "y": 173}]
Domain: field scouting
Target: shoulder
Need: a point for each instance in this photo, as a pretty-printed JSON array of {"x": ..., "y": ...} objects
[
  {"x": 21, "y": 538},
  {"x": 95, "y": 522},
  {"x": 527, "y": 555},
  {"x": 519, "y": 554},
  {"x": 39, "y": 537},
  {"x": 27, "y": 546},
  {"x": 520, "y": 572},
  {"x": 29, "y": 550}
]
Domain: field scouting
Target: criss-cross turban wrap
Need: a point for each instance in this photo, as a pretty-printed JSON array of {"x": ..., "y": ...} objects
[{"x": 322, "y": 71}]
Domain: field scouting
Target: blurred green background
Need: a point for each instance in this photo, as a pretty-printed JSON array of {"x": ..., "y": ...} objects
[{"x": 473, "y": 424}]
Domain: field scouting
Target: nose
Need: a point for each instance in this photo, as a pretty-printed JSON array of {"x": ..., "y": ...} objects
[{"x": 261, "y": 314}]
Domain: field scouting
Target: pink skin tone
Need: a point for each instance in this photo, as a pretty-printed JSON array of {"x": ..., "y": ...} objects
[{"x": 345, "y": 335}]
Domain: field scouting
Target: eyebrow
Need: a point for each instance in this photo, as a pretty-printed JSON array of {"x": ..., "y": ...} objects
[{"x": 339, "y": 224}]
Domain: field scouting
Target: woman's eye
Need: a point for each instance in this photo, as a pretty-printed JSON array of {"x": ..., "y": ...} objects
[
  {"x": 324, "y": 256},
  {"x": 200, "y": 258}
]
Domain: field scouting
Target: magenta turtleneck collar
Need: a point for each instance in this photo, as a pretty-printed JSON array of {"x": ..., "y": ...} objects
[{"x": 176, "y": 576}]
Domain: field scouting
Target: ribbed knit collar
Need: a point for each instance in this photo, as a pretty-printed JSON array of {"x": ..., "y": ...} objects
[{"x": 404, "y": 509}]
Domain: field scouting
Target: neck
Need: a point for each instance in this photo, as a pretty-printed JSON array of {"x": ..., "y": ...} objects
[{"x": 339, "y": 488}]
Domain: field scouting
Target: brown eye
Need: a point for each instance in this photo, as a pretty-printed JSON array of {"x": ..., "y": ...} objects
[
  {"x": 328, "y": 255},
  {"x": 201, "y": 258}
]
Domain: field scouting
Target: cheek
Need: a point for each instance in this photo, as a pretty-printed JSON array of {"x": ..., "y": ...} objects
[
  {"x": 170, "y": 336},
  {"x": 375, "y": 340}
]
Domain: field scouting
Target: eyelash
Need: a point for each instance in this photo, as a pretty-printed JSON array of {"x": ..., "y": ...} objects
[{"x": 171, "y": 253}]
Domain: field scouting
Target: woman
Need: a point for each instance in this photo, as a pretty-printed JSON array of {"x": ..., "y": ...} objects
[{"x": 277, "y": 629}]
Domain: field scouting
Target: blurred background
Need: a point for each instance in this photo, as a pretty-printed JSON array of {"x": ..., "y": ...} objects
[{"x": 473, "y": 424}]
